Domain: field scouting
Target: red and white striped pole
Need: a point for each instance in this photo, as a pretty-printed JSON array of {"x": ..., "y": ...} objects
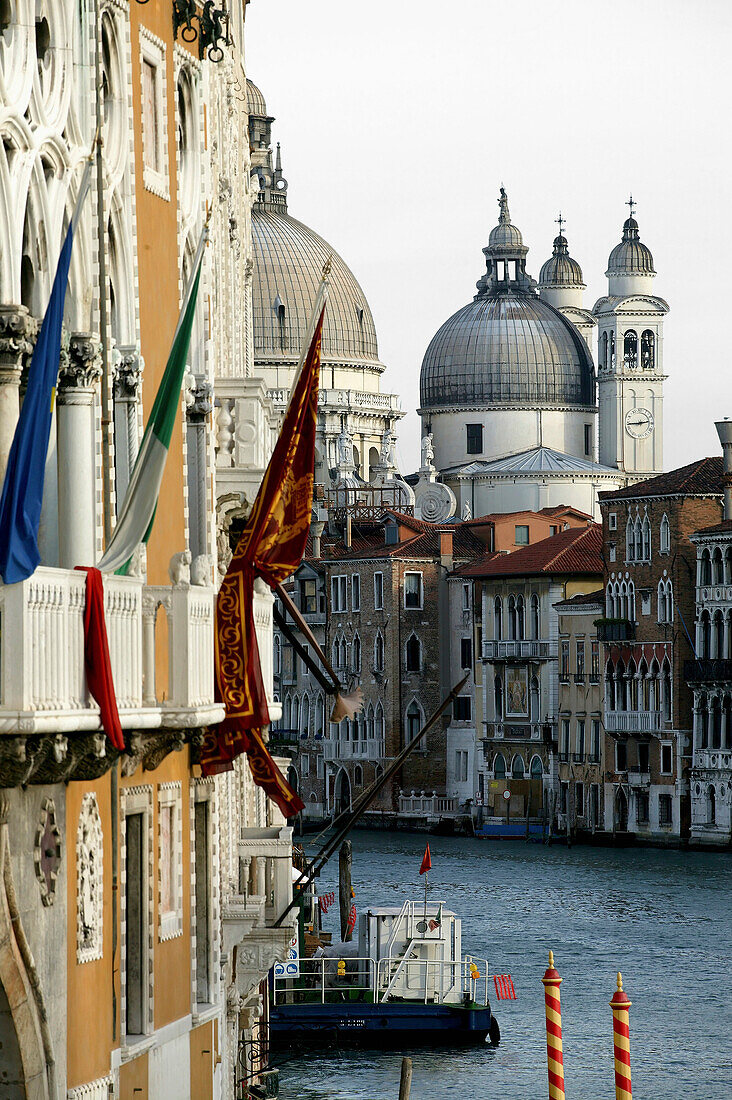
[
  {"x": 554, "y": 1056},
  {"x": 620, "y": 1004}
]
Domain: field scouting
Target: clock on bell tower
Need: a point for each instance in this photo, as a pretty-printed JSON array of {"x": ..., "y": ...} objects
[{"x": 630, "y": 359}]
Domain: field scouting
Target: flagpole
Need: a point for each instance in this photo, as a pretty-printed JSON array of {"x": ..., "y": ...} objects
[
  {"x": 107, "y": 382},
  {"x": 318, "y": 307},
  {"x": 426, "y": 876}
]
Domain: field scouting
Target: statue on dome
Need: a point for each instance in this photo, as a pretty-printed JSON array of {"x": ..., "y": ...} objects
[
  {"x": 428, "y": 451},
  {"x": 388, "y": 443},
  {"x": 345, "y": 448}
]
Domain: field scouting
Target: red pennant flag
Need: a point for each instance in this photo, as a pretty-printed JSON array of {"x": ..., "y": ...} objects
[
  {"x": 97, "y": 663},
  {"x": 426, "y": 861},
  {"x": 271, "y": 547}
]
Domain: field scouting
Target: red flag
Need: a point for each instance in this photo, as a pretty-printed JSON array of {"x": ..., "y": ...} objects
[
  {"x": 426, "y": 861},
  {"x": 271, "y": 547},
  {"x": 351, "y": 924},
  {"x": 97, "y": 664}
]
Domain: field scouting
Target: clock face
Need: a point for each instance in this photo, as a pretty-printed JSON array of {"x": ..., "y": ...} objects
[{"x": 639, "y": 423}]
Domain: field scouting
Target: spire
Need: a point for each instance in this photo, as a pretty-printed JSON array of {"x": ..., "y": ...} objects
[{"x": 278, "y": 161}]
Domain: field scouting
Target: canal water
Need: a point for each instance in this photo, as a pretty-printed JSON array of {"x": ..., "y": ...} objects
[{"x": 662, "y": 918}]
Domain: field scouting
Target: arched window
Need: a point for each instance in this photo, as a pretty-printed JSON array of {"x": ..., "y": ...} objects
[
  {"x": 287, "y": 712},
  {"x": 277, "y": 656},
  {"x": 518, "y": 767},
  {"x": 305, "y": 720},
  {"x": 512, "y": 618},
  {"x": 646, "y": 536},
  {"x": 358, "y": 776},
  {"x": 664, "y": 542},
  {"x": 712, "y": 806},
  {"x": 520, "y": 618},
  {"x": 638, "y": 540},
  {"x": 497, "y": 618},
  {"x": 629, "y": 541},
  {"x": 296, "y": 713},
  {"x": 705, "y": 635},
  {"x": 610, "y": 699},
  {"x": 535, "y": 617},
  {"x": 379, "y": 653},
  {"x": 703, "y": 723},
  {"x": 414, "y": 721},
  {"x": 728, "y": 565},
  {"x": 717, "y": 635},
  {"x": 499, "y": 766},
  {"x": 630, "y": 350},
  {"x": 344, "y": 653},
  {"x": 666, "y": 700},
  {"x": 603, "y": 351},
  {"x": 413, "y": 654},
  {"x": 379, "y": 722},
  {"x": 665, "y": 601},
  {"x": 705, "y": 570},
  {"x": 498, "y": 697},
  {"x": 370, "y": 723},
  {"x": 319, "y": 716},
  {"x": 717, "y": 569},
  {"x": 612, "y": 351},
  {"x": 631, "y": 601},
  {"x": 716, "y": 713},
  {"x": 534, "y": 699},
  {"x": 648, "y": 349},
  {"x": 356, "y": 654},
  {"x": 537, "y": 770}
]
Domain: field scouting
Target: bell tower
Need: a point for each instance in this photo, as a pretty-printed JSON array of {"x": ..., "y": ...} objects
[{"x": 630, "y": 359}]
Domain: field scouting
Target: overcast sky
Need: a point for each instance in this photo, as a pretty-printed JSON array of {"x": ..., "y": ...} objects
[{"x": 399, "y": 120}]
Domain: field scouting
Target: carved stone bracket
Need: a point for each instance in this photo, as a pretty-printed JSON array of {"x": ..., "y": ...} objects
[
  {"x": 159, "y": 745},
  {"x": 17, "y": 331},
  {"x": 128, "y": 373},
  {"x": 54, "y": 758},
  {"x": 201, "y": 402}
]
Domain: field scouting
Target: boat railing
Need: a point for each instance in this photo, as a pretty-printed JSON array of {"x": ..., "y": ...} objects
[
  {"x": 397, "y": 927},
  {"x": 437, "y": 979},
  {"x": 325, "y": 980}
]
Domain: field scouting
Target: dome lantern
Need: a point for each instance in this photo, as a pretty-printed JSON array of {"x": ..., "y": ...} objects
[
  {"x": 505, "y": 256},
  {"x": 630, "y": 265},
  {"x": 560, "y": 278}
]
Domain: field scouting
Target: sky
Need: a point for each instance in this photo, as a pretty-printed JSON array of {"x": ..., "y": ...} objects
[{"x": 400, "y": 119}]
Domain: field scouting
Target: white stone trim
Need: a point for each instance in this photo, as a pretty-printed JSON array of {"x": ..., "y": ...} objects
[
  {"x": 205, "y": 790},
  {"x": 94, "y": 1090},
  {"x": 170, "y": 923},
  {"x": 89, "y": 883},
  {"x": 153, "y": 51}
]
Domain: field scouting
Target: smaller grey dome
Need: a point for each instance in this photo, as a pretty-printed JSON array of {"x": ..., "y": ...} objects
[
  {"x": 255, "y": 101},
  {"x": 631, "y": 256},
  {"x": 560, "y": 269}
]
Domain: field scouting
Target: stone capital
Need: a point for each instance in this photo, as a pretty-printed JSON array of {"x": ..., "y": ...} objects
[
  {"x": 17, "y": 330},
  {"x": 128, "y": 373},
  {"x": 81, "y": 367},
  {"x": 201, "y": 402}
]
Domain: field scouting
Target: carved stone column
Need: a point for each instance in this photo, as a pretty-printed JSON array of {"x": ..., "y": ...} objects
[
  {"x": 16, "y": 325},
  {"x": 127, "y": 382},
  {"x": 76, "y": 451},
  {"x": 197, "y": 414},
  {"x": 149, "y": 611}
]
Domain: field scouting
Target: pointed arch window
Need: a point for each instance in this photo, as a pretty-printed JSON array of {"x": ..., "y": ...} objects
[
  {"x": 277, "y": 657},
  {"x": 646, "y": 538},
  {"x": 629, "y": 540},
  {"x": 498, "y": 697},
  {"x": 499, "y": 766},
  {"x": 518, "y": 767},
  {"x": 356, "y": 653},
  {"x": 603, "y": 351},
  {"x": 497, "y": 618},
  {"x": 413, "y": 654},
  {"x": 535, "y": 617},
  {"x": 537, "y": 770},
  {"x": 612, "y": 351},
  {"x": 296, "y": 713},
  {"x": 648, "y": 349},
  {"x": 520, "y": 618},
  {"x": 664, "y": 542},
  {"x": 379, "y": 653},
  {"x": 379, "y": 722},
  {"x": 319, "y": 716},
  {"x": 306, "y": 714},
  {"x": 630, "y": 350},
  {"x": 414, "y": 721}
]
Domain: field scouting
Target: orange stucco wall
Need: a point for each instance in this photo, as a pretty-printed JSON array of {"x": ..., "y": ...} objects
[
  {"x": 133, "y": 1083},
  {"x": 89, "y": 984},
  {"x": 203, "y": 1052}
]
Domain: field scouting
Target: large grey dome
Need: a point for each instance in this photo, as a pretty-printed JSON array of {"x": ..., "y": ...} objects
[
  {"x": 288, "y": 263},
  {"x": 507, "y": 346},
  {"x": 631, "y": 256},
  {"x": 507, "y": 350}
]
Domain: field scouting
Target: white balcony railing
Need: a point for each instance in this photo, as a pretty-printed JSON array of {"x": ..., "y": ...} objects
[
  {"x": 713, "y": 759},
  {"x": 42, "y": 681},
  {"x": 354, "y": 750},
  {"x": 633, "y": 721},
  {"x": 495, "y": 650},
  {"x": 532, "y": 730},
  {"x": 431, "y": 805}
]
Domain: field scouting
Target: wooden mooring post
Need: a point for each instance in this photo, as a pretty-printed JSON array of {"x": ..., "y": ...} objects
[{"x": 405, "y": 1085}]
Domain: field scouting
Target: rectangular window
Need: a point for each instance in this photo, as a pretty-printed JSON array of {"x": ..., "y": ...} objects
[
  {"x": 170, "y": 861},
  {"x": 339, "y": 594},
  {"x": 595, "y": 804},
  {"x": 665, "y": 810},
  {"x": 308, "y": 597},
  {"x": 378, "y": 591},
  {"x": 621, "y": 756},
  {"x": 564, "y": 661},
  {"x": 588, "y": 439},
  {"x": 579, "y": 755},
  {"x": 612, "y": 521},
  {"x": 612, "y": 552},
  {"x": 580, "y": 646},
  {"x": 461, "y": 766},
  {"x": 466, "y": 652},
  {"x": 413, "y": 590},
  {"x": 563, "y": 797},
  {"x": 135, "y": 941},
  {"x": 596, "y": 740},
  {"x": 320, "y": 766},
  {"x": 521, "y": 534},
  {"x": 565, "y": 736},
  {"x": 642, "y": 807},
  {"x": 304, "y": 765},
  {"x": 579, "y": 799},
  {"x": 461, "y": 708},
  {"x": 204, "y": 938},
  {"x": 153, "y": 95},
  {"x": 667, "y": 758},
  {"x": 355, "y": 592},
  {"x": 474, "y": 439},
  {"x": 553, "y": 529},
  {"x": 594, "y": 662},
  {"x": 466, "y": 597},
  {"x": 150, "y": 116}
]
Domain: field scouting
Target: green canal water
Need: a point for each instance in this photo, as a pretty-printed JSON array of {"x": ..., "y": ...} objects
[{"x": 663, "y": 918}]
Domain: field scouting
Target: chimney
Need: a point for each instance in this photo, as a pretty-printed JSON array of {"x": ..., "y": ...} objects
[
  {"x": 446, "y": 545},
  {"x": 724, "y": 431},
  {"x": 316, "y": 529}
]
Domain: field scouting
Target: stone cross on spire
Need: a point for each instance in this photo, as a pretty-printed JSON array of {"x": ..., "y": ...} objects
[
  {"x": 561, "y": 222},
  {"x": 632, "y": 204}
]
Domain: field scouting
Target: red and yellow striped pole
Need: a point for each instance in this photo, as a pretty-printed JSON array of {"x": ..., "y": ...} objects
[
  {"x": 554, "y": 1056},
  {"x": 620, "y": 1004}
]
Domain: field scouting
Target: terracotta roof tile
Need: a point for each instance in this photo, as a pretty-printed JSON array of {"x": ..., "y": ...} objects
[
  {"x": 577, "y": 550},
  {"x": 700, "y": 478}
]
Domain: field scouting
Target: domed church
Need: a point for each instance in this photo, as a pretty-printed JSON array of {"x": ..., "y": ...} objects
[
  {"x": 508, "y": 387},
  {"x": 356, "y": 418}
]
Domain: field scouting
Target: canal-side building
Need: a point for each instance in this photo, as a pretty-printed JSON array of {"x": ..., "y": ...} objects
[
  {"x": 710, "y": 673},
  {"x": 580, "y": 732},
  {"x": 518, "y": 594},
  {"x": 647, "y": 635},
  {"x": 378, "y": 603}
]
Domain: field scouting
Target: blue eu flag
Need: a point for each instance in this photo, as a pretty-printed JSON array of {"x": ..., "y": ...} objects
[{"x": 20, "y": 505}]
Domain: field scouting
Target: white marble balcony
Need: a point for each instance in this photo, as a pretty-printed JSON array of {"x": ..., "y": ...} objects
[
  {"x": 429, "y": 805},
  {"x": 42, "y": 682},
  {"x": 354, "y": 750},
  {"x": 633, "y": 721}
]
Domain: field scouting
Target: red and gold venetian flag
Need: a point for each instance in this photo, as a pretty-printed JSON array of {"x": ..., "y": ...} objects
[{"x": 271, "y": 547}]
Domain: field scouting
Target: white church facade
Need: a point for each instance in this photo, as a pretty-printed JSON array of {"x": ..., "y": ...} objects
[{"x": 517, "y": 414}]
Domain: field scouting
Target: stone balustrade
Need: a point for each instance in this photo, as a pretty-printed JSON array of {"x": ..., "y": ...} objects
[
  {"x": 633, "y": 721},
  {"x": 371, "y": 749},
  {"x": 430, "y": 805}
]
